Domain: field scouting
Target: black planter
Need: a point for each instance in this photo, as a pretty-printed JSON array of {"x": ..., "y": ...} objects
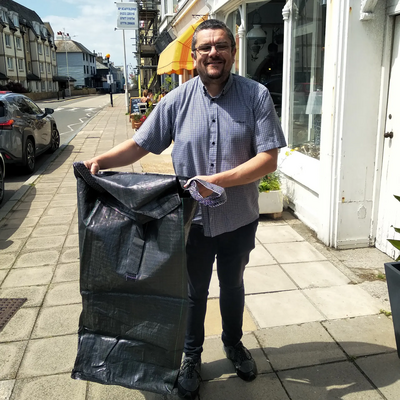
[{"x": 392, "y": 271}]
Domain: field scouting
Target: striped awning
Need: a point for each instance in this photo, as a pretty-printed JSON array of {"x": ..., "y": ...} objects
[{"x": 177, "y": 55}]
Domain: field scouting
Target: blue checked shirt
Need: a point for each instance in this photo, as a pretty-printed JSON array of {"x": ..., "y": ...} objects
[{"x": 215, "y": 134}]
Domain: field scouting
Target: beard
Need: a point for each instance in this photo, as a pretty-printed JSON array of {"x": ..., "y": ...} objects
[{"x": 216, "y": 73}]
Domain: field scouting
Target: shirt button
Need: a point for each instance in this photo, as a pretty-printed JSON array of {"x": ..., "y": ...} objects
[
  {"x": 213, "y": 120},
  {"x": 212, "y": 165},
  {"x": 213, "y": 143}
]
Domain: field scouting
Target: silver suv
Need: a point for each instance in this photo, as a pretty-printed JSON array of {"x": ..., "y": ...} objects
[
  {"x": 25, "y": 130},
  {"x": 2, "y": 175}
]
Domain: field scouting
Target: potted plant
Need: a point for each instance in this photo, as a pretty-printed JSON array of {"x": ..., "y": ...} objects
[
  {"x": 392, "y": 271},
  {"x": 270, "y": 200},
  {"x": 137, "y": 120}
]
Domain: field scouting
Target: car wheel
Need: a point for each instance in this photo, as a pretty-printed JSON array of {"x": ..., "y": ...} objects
[
  {"x": 55, "y": 140},
  {"x": 1, "y": 183},
  {"x": 29, "y": 156}
]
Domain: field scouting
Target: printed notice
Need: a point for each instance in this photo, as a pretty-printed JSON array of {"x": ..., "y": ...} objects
[{"x": 127, "y": 17}]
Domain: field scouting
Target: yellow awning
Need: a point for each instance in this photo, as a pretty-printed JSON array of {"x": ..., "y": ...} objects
[{"x": 177, "y": 57}]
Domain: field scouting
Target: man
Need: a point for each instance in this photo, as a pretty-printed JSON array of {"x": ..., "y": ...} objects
[{"x": 225, "y": 131}]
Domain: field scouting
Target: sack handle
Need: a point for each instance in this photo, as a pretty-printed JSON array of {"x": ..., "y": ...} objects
[{"x": 81, "y": 171}]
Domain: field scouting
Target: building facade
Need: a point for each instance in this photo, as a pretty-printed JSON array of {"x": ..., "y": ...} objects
[
  {"x": 27, "y": 49},
  {"x": 75, "y": 61},
  {"x": 332, "y": 69}
]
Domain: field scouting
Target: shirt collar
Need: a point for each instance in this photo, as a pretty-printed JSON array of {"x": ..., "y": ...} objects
[{"x": 226, "y": 88}]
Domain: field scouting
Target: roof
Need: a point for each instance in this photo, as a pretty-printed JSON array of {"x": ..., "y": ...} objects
[
  {"x": 23, "y": 12},
  {"x": 71, "y": 46},
  {"x": 3, "y": 77},
  {"x": 62, "y": 78},
  {"x": 32, "y": 77},
  {"x": 99, "y": 65}
]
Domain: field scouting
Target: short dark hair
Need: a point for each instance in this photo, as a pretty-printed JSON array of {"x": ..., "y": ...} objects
[{"x": 213, "y": 24}]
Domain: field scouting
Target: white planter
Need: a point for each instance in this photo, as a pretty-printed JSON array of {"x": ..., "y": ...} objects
[{"x": 271, "y": 202}]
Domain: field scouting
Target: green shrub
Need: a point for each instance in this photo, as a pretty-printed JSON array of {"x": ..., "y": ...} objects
[{"x": 270, "y": 182}]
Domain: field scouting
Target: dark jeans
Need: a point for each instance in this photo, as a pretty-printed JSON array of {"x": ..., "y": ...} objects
[{"x": 232, "y": 250}]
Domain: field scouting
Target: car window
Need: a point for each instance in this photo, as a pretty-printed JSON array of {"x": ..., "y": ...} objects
[
  {"x": 2, "y": 109},
  {"x": 22, "y": 105},
  {"x": 35, "y": 108}
]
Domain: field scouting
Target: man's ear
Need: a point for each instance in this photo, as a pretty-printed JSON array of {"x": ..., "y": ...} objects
[{"x": 194, "y": 59}]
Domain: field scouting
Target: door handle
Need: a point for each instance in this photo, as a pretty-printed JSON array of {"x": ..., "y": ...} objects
[{"x": 388, "y": 135}]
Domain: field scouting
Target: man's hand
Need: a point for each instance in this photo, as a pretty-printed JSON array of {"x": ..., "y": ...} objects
[
  {"x": 92, "y": 166},
  {"x": 204, "y": 192}
]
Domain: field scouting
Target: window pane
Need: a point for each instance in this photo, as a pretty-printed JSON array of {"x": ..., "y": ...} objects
[{"x": 307, "y": 78}]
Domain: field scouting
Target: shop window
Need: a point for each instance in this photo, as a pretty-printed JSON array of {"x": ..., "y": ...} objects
[{"x": 307, "y": 77}]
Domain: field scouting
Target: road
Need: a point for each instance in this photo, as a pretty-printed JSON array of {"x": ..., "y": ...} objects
[{"x": 71, "y": 115}]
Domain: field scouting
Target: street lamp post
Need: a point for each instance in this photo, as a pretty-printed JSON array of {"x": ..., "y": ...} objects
[
  {"x": 65, "y": 36},
  {"x": 110, "y": 78}
]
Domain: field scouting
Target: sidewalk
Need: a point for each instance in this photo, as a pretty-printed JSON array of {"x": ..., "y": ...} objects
[{"x": 313, "y": 321}]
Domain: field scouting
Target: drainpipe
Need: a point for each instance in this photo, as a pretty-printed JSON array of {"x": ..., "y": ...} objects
[{"x": 16, "y": 59}]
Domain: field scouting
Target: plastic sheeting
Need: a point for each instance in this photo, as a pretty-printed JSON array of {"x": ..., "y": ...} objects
[{"x": 133, "y": 280}]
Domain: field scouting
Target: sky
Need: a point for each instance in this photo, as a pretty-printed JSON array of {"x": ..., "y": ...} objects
[{"x": 89, "y": 22}]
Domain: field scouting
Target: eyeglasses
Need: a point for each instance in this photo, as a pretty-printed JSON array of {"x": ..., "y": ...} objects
[{"x": 219, "y": 48}]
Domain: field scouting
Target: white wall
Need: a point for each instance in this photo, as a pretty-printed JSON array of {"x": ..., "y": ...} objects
[{"x": 341, "y": 207}]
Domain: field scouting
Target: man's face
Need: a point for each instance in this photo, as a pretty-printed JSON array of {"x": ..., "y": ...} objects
[{"x": 215, "y": 66}]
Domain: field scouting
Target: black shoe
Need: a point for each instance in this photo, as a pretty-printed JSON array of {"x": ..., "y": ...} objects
[
  {"x": 189, "y": 378},
  {"x": 245, "y": 366}
]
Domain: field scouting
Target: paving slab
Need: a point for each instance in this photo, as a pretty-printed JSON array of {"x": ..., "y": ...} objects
[
  {"x": 62, "y": 293},
  {"x": 10, "y": 358},
  {"x": 108, "y": 392},
  {"x": 10, "y": 234},
  {"x": 43, "y": 231},
  {"x": 11, "y": 246},
  {"x": 28, "y": 277},
  {"x": 278, "y": 234},
  {"x": 20, "y": 222},
  {"x": 55, "y": 220},
  {"x": 66, "y": 273},
  {"x": 47, "y": 242},
  {"x": 55, "y": 387},
  {"x": 363, "y": 336},
  {"x": 3, "y": 274},
  {"x": 6, "y": 388},
  {"x": 263, "y": 387},
  {"x": 33, "y": 294},
  {"x": 297, "y": 252},
  {"x": 20, "y": 325},
  {"x": 37, "y": 258},
  {"x": 49, "y": 356},
  {"x": 343, "y": 301},
  {"x": 384, "y": 372},
  {"x": 332, "y": 381},
  {"x": 70, "y": 255},
  {"x": 315, "y": 274},
  {"x": 283, "y": 308},
  {"x": 263, "y": 279},
  {"x": 7, "y": 260},
  {"x": 296, "y": 346},
  {"x": 260, "y": 256},
  {"x": 57, "y": 321}
]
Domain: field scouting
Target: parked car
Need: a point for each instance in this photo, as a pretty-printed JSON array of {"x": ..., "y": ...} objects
[
  {"x": 2, "y": 176},
  {"x": 25, "y": 130}
]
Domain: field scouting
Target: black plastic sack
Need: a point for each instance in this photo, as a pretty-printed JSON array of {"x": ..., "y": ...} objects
[{"x": 133, "y": 280}]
